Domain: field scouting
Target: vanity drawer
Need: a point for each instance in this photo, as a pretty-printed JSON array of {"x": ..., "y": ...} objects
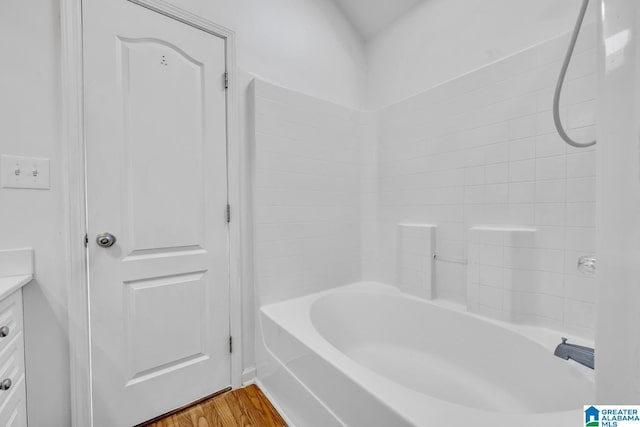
[
  {"x": 11, "y": 367},
  {"x": 13, "y": 412},
  {"x": 10, "y": 317}
]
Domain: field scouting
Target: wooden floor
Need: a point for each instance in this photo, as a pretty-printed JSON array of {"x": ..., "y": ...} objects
[{"x": 244, "y": 407}]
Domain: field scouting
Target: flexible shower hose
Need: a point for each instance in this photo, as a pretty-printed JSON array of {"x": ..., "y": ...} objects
[{"x": 563, "y": 72}]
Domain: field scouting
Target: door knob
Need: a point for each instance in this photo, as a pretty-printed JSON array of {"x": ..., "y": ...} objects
[
  {"x": 105, "y": 240},
  {"x": 5, "y": 384},
  {"x": 587, "y": 265},
  {"x": 4, "y": 331}
]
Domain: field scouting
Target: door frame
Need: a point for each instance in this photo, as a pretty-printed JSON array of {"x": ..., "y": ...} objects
[{"x": 73, "y": 163}]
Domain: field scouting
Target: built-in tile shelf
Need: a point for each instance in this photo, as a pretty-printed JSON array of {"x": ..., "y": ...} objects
[
  {"x": 416, "y": 250},
  {"x": 509, "y": 278},
  {"x": 16, "y": 270}
]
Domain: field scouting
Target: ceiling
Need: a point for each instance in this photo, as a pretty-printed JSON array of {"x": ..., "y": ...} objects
[{"x": 370, "y": 17}]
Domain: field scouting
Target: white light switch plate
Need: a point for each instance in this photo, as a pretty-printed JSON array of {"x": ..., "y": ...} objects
[{"x": 25, "y": 172}]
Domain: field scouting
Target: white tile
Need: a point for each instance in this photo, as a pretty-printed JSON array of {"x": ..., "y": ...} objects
[
  {"x": 579, "y": 313},
  {"x": 490, "y": 236},
  {"x": 583, "y": 114},
  {"x": 474, "y": 157},
  {"x": 538, "y": 304},
  {"x": 545, "y": 122},
  {"x": 550, "y": 214},
  {"x": 550, "y": 145},
  {"x": 491, "y": 255},
  {"x": 496, "y": 173},
  {"x": 582, "y": 89},
  {"x": 523, "y": 170},
  {"x": 536, "y": 281},
  {"x": 544, "y": 96},
  {"x": 522, "y": 149},
  {"x": 489, "y": 275},
  {"x": 474, "y": 175},
  {"x": 581, "y": 190},
  {"x": 522, "y": 192},
  {"x": 581, "y": 239},
  {"x": 550, "y": 191},
  {"x": 307, "y": 174},
  {"x": 496, "y": 153},
  {"x": 521, "y": 213},
  {"x": 490, "y": 297},
  {"x": 580, "y": 288},
  {"x": 582, "y": 64},
  {"x": 581, "y": 214},
  {"x": 496, "y": 193},
  {"x": 551, "y": 167},
  {"x": 550, "y": 237},
  {"x": 582, "y": 164},
  {"x": 491, "y": 312},
  {"x": 523, "y": 127},
  {"x": 478, "y": 150},
  {"x": 520, "y": 238},
  {"x": 474, "y": 194},
  {"x": 582, "y": 135}
]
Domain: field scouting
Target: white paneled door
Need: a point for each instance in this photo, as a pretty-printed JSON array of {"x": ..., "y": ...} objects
[{"x": 155, "y": 104}]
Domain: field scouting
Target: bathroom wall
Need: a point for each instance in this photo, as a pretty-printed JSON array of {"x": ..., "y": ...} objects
[
  {"x": 308, "y": 231},
  {"x": 481, "y": 149},
  {"x": 368, "y": 137},
  {"x": 441, "y": 39},
  {"x": 306, "y": 194},
  {"x": 303, "y": 44},
  {"x": 29, "y": 125}
]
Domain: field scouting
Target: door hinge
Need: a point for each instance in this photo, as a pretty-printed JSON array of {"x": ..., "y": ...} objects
[
  {"x": 226, "y": 80},
  {"x": 86, "y": 240},
  {"x": 230, "y": 344},
  {"x": 228, "y": 213}
]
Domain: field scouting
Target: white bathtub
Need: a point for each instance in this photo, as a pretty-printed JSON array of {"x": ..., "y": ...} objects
[{"x": 371, "y": 356}]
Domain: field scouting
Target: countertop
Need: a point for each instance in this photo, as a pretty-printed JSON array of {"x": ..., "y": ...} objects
[{"x": 10, "y": 284}]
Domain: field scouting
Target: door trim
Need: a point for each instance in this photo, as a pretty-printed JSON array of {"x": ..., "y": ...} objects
[{"x": 74, "y": 190}]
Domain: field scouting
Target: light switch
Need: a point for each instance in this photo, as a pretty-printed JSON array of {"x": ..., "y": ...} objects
[{"x": 25, "y": 172}]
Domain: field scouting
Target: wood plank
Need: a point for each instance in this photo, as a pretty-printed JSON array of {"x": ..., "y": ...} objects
[{"x": 245, "y": 407}]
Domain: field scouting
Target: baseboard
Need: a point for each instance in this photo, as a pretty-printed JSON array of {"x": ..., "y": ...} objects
[{"x": 249, "y": 376}]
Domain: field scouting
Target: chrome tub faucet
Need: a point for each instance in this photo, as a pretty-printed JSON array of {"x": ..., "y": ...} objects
[{"x": 583, "y": 355}]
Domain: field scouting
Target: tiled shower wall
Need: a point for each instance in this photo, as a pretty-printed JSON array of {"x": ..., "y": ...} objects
[
  {"x": 307, "y": 189},
  {"x": 482, "y": 150}
]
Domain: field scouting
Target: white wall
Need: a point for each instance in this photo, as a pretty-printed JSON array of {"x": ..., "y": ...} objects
[
  {"x": 29, "y": 125},
  {"x": 441, "y": 39},
  {"x": 482, "y": 150},
  {"x": 302, "y": 44}
]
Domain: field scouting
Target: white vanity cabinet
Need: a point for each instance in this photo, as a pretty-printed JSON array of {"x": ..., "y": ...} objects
[
  {"x": 13, "y": 401},
  {"x": 16, "y": 270}
]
